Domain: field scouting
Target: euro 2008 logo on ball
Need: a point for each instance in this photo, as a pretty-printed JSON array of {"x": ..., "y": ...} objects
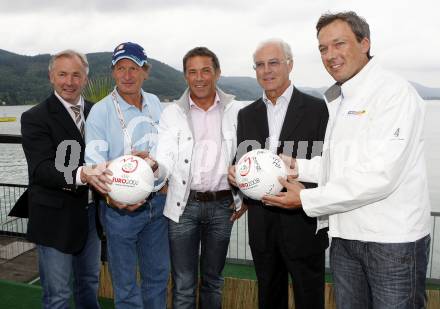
[
  {"x": 245, "y": 167},
  {"x": 258, "y": 172},
  {"x": 133, "y": 179},
  {"x": 129, "y": 165}
]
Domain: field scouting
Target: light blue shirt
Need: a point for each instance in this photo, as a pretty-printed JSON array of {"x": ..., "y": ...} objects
[{"x": 103, "y": 131}]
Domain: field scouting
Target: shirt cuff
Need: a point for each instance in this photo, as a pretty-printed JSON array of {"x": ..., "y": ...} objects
[
  {"x": 78, "y": 181},
  {"x": 304, "y": 196},
  {"x": 160, "y": 177}
]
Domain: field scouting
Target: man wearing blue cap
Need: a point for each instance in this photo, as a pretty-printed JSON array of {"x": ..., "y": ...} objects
[{"x": 137, "y": 235}]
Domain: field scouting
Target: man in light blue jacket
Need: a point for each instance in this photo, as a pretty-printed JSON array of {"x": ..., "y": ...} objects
[{"x": 124, "y": 122}]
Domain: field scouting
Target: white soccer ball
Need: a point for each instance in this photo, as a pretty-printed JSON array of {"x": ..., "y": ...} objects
[
  {"x": 257, "y": 173},
  {"x": 133, "y": 179}
]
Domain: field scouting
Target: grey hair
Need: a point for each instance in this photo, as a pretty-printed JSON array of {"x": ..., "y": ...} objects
[
  {"x": 284, "y": 46},
  {"x": 70, "y": 53}
]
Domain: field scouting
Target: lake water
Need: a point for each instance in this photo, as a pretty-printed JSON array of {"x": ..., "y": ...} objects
[
  {"x": 13, "y": 163},
  {"x": 13, "y": 170}
]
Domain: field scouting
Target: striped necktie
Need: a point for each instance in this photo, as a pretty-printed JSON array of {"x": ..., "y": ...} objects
[{"x": 78, "y": 119}]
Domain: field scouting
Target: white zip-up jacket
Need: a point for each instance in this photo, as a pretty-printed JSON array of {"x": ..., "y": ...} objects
[
  {"x": 176, "y": 144},
  {"x": 372, "y": 174}
]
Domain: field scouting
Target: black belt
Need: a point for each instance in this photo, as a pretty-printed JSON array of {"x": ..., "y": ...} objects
[
  {"x": 144, "y": 205},
  {"x": 209, "y": 196},
  {"x": 151, "y": 196}
]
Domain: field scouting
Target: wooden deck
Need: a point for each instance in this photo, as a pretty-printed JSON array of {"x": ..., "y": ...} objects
[
  {"x": 237, "y": 293},
  {"x": 18, "y": 260}
]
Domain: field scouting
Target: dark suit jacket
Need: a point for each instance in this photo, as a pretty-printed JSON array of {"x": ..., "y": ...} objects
[
  {"x": 57, "y": 207},
  {"x": 305, "y": 120}
]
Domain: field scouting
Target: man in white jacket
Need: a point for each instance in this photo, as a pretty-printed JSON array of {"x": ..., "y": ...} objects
[
  {"x": 197, "y": 142},
  {"x": 372, "y": 178}
]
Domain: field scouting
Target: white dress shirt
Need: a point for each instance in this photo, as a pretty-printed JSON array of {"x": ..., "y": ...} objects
[
  {"x": 68, "y": 106},
  {"x": 275, "y": 116}
]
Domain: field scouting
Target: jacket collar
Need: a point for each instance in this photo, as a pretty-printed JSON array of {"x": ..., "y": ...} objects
[
  {"x": 124, "y": 105},
  {"x": 351, "y": 86},
  {"x": 225, "y": 100},
  {"x": 68, "y": 105},
  {"x": 356, "y": 83},
  {"x": 294, "y": 115},
  {"x": 62, "y": 116},
  {"x": 286, "y": 95},
  {"x": 55, "y": 106}
]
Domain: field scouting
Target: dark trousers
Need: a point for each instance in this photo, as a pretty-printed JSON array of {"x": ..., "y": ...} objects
[{"x": 308, "y": 278}]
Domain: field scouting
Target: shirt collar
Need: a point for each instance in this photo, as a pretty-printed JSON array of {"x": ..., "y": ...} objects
[
  {"x": 286, "y": 96},
  {"x": 352, "y": 86},
  {"x": 124, "y": 105},
  {"x": 194, "y": 105},
  {"x": 68, "y": 105}
]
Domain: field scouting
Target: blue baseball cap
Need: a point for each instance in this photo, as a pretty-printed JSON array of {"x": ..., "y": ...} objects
[{"x": 130, "y": 51}]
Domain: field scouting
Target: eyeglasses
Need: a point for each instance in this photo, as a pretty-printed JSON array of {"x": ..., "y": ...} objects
[{"x": 272, "y": 64}]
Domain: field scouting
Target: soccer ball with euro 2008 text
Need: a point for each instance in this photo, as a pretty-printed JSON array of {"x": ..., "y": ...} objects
[
  {"x": 133, "y": 179},
  {"x": 257, "y": 172}
]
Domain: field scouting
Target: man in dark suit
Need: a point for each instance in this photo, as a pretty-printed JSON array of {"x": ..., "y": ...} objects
[
  {"x": 61, "y": 214},
  {"x": 281, "y": 241}
]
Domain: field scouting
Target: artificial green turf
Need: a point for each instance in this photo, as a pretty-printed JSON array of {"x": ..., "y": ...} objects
[
  {"x": 248, "y": 272},
  {"x": 239, "y": 271},
  {"x": 25, "y": 296}
]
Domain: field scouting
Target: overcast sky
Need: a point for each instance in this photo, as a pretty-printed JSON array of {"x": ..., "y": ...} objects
[{"x": 405, "y": 34}]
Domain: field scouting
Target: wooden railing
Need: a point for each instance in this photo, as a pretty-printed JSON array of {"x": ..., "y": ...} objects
[{"x": 242, "y": 293}]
